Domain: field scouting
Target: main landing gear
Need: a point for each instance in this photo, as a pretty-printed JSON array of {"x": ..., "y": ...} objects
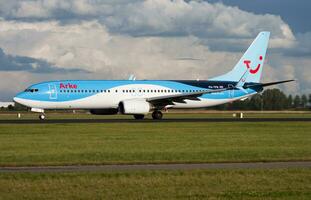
[
  {"x": 42, "y": 116},
  {"x": 157, "y": 114}
]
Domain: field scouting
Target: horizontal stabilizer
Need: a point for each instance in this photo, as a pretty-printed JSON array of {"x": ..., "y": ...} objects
[{"x": 269, "y": 84}]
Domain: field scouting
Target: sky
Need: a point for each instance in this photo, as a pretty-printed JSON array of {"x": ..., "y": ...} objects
[{"x": 43, "y": 40}]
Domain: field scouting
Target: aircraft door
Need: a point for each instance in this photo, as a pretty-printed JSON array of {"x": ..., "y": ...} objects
[{"x": 52, "y": 91}]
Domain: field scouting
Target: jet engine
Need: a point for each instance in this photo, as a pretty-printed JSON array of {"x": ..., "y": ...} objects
[{"x": 134, "y": 106}]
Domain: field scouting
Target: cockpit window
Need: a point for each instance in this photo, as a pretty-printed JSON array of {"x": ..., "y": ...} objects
[{"x": 31, "y": 90}]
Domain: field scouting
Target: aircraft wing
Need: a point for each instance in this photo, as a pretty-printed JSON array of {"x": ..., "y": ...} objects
[{"x": 180, "y": 98}]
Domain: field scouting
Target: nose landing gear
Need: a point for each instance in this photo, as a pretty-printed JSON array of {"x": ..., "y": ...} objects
[{"x": 42, "y": 116}]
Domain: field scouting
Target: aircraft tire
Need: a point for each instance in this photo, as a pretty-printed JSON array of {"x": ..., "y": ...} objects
[
  {"x": 157, "y": 114},
  {"x": 42, "y": 117}
]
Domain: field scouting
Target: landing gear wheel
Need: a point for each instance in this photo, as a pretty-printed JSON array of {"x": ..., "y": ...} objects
[
  {"x": 42, "y": 117},
  {"x": 139, "y": 116},
  {"x": 157, "y": 114}
]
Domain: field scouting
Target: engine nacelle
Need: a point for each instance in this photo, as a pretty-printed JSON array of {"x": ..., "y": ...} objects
[
  {"x": 108, "y": 111},
  {"x": 134, "y": 106}
]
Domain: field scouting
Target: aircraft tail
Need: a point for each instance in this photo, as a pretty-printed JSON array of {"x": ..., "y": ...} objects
[{"x": 251, "y": 64}]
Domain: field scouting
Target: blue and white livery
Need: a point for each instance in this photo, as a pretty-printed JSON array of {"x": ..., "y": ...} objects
[{"x": 139, "y": 97}]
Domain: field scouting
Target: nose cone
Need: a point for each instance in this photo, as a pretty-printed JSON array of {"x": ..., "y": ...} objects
[{"x": 19, "y": 99}]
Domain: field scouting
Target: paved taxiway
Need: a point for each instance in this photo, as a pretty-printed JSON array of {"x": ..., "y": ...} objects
[
  {"x": 70, "y": 121},
  {"x": 188, "y": 166}
]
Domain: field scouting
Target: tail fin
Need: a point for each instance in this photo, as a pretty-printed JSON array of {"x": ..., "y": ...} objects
[{"x": 252, "y": 61}]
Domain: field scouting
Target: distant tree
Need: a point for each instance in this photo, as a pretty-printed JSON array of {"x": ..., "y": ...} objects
[
  {"x": 19, "y": 107},
  {"x": 297, "y": 101},
  {"x": 304, "y": 100},
  {"x": 309, "y": 100},
  {"x": 10, "y": 107},
  {"x": 290, "y": 101},
  {"x": 255, "y": 102},
  {"x": 239, "y": 105},
  {"x": 274, "y": 99}
]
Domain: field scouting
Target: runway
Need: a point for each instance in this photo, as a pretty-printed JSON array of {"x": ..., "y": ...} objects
[
  {"x": 133, "y": 167},
  {"x": 180, "y": 120}
]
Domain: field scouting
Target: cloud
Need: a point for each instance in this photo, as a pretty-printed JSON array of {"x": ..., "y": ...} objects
[
  {"x": 88, "y": 45},
  {"x": 153, "y": 17},
  {"x": 302, "y": 46},
  {"x": 217, "y": 25},
  {"x": 24, "y": 63}
]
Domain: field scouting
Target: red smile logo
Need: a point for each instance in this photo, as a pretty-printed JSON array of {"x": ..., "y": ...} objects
[{"x": 252, "y": 71}]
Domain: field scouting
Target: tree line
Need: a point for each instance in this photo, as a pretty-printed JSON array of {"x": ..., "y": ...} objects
[{"x": 271, "y": 99}]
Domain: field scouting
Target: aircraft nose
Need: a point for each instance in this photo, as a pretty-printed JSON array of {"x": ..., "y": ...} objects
[{"x": 18, "y": 99}]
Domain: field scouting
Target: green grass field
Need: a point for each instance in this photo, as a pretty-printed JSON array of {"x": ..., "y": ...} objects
[
  {"x": 171, "y": 142},
  {"x": 66, "y": 144},
  {"x": 203, "y": 184}
]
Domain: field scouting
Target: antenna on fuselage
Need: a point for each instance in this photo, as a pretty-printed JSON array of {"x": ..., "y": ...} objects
[{"x": 132, "y": 77}]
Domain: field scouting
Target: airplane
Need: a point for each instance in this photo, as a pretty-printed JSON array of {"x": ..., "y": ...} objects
[{"x": 139, "y": 97}]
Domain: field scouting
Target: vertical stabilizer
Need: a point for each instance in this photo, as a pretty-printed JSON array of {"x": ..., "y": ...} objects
[{"x": 251, "y": 62}]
